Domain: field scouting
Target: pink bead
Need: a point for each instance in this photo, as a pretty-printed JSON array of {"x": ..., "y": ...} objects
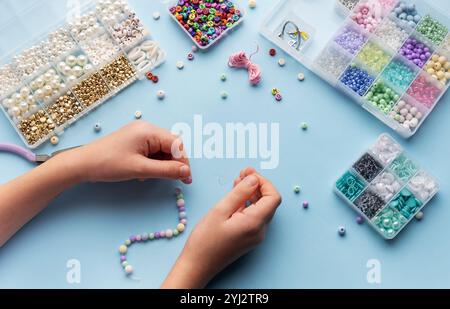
[
  {"x": 162, "y": 234},
  {"x": 181, "y": 203},
  {"x": 183, "y": 221}
]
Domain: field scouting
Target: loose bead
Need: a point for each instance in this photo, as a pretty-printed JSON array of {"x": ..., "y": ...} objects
[
  {"x": 224, "y": 95},
  {"x": 272, "y": 52},
  {"x": 297, "y": 189},
  {"x": 252, "y": 4},
  {"x": 305, "y": 204},
  {"x": 304, "y": 126},
  {"x": 190, "y": 57},
  {"x": 161, "y": 94},
  {"x": 301, "y": 77},
  {"x": 341, "y": 230},
  {"x": 138, "y": 115},
  {"x": 278, "y": 97},
  {"x": 156, "y": 15},
  {"x": 419, "y": 216},
  {"x": 180, "y": 65},
  {"x": 223, "y": 77},
  {"x": 282, "y": 62},
  {"x": 97, "y": 127},
  {"x": 359, "y": 220},
  {"x": 54, "y": 140}
]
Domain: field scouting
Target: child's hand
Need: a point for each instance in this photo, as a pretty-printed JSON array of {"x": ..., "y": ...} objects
[
  {"x": 227, "y": 232},
  {"x": 137, "y": 151}
]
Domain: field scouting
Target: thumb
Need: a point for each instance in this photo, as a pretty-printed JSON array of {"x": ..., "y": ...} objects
[
  {"x": 238, "y": 196},
  {"x": 164, "y": 169}
]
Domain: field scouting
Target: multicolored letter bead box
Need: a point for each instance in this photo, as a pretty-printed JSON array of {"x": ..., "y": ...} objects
[
  {"x": 387, "y": 187},
  {"x": 73, "y": 70},
  {"x": 206, "y": 21},
  {"x": 392, "y": 57}
]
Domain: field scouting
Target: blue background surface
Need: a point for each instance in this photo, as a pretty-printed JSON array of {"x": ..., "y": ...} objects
[{"x": 302, "y": 249}]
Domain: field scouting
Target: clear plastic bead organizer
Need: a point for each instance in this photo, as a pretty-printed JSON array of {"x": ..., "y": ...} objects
[
  {"x": 76, "y": 66},
  {"x": 386, "y": 187},
  {"x": 322, "y": 23}
]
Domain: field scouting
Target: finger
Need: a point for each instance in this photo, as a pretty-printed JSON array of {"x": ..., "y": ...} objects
[
  {"x": 238, "y": 196},
  {"x": 148, "y": 168},
  {"x": 171, "y": 144},
  {"x": 257, "y": 195},
  {"x": 247, "y": 171},
  {"x": 267, "y": 205}
]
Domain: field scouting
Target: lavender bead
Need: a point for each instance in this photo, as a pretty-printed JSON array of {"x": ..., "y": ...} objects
[{"x": 351, "y": 40}]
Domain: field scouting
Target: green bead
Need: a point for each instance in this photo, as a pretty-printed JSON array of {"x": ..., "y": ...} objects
[
  {"x": 297, "y": 189},
  {"x": 127, "y": 242},
  {"x": 151, "y": 236}
]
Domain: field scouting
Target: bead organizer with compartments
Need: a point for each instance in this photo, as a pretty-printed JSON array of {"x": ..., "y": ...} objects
[
  {"x": 70, "y": 72},
  {"x": 386, "y": 187},
  {"x": 391, "y": 57}
]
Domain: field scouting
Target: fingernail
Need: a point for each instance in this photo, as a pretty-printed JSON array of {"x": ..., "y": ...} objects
[
  {"x": 185, "y": 172},
  {"x": 251, "y": 180},
  {"x": 188, "y": 180}
]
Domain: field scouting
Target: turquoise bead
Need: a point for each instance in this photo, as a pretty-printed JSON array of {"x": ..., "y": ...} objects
[{"x": 350, "y": 186}]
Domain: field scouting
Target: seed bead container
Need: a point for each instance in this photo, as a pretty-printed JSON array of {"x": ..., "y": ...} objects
[
  {"x": 52, "y": 82},
  {"x": 206, "y": 22},
  {"x": 386, "y": 187},
  {"x": 389, "y": 56}
]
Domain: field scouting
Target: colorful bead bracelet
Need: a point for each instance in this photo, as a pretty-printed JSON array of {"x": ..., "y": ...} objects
[{"x": 146, "y": 237}]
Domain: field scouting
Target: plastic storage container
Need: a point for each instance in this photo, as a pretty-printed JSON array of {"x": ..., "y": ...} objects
[
  {"x": 386, "y": 187},
  {"x": 67, "y": 81},
  {"x": 194, "y": 23},
  {"x": 321, "y": 50}
]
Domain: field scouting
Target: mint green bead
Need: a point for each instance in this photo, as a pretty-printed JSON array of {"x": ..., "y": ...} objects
[
  {"x": 175, "y": 232},
  {"x": 125, "y": 264},
  {"x": 151, "y": 236},
  {"x": 127, "y": 242}
]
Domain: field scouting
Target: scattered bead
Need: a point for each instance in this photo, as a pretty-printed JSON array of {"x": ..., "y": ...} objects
[
  {"x": 301, "y": 77},
  {"x": 194, "y": 48},
  {"x": 54, "y": 140},
  {"x": 297, "y": 190},
  {"x": 180, "y": 65},
  {"x": 275, "y": 91},
  {"x": 155, "y": 79},
  {"x": 200, "y": 17},
  {"x": 360, "y": 220},
  {"x": 224, "y": 95},
  {"x": 252, "y": 4},
  {"x": 341, "y": 230},
  {"x": 282, "y": 62},
  {"x": 190, "y": 57},
  {"x": 304, "y": 126},
  {"x": 149, "y": 75},
  {"x": 161, "y": 94},
  {"x": 97, "y": 127},
  {"x": 416, "y": 51},
  {"x": 272, "y": 52},
  {"x": 419, "y": 216},
  {"x": 305, "y": 204},
  {"x": 223, "y": 77},
  {"x": 278, "y": 97},
  {"x": 156, "y": 15},
  {"x": 138, "y": 115}
]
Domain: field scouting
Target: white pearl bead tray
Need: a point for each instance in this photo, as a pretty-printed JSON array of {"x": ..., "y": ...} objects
[
  {"x": 386, "y": 187},
  {"x": 34, "y": 79},
  {"x": 325, "y": 20}
]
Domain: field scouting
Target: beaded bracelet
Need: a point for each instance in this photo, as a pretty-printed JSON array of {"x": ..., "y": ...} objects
[{"x": 145, "y": 237}]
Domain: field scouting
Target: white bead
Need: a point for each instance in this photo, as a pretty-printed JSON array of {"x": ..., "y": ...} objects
[
  {"x": 138, "y": 115},
  {"x": 82, "y": 60},
  {"x": 71, "y": 60},
  {"x": 252, "y": 4},
  {"x": 129, "y": 269},
  {"x": 282, "y": 62},
  {"x": 180, "y": 65},
  {"x": 156, "y": 15},
  {"x": 161, "y": 94}
]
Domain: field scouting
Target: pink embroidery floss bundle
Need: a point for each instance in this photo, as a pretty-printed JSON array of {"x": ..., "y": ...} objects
[{"x": 241, "y": 61}]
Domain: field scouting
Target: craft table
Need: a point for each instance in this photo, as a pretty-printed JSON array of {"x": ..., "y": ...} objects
[{"x": 302, "y": 248}]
